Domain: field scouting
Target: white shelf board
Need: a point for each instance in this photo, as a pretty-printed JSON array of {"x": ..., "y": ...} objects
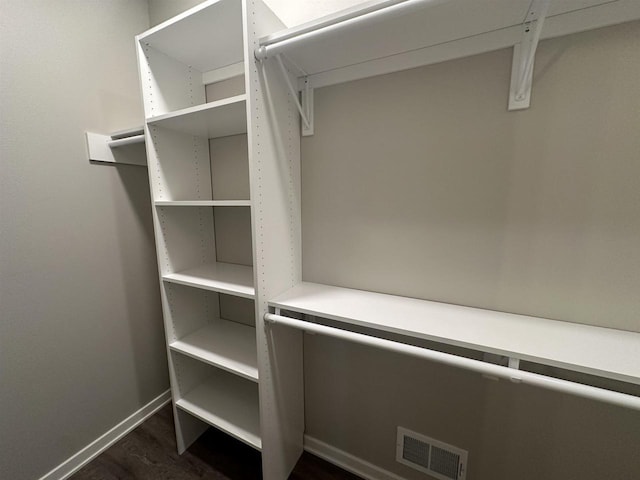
[
  {"x": 604, "y": 352},
  {"x": 206, "y": 37},
  {"x": 203, "y": 203},
  {"x": 218, "y": 277},
  {"x": 412, "y": 33},
  {"x": 128, "y": 132},
  {"x": 228, "y": 403},
  {"x": 228, "y": 345},
  {"x": 215, "y": 119}
]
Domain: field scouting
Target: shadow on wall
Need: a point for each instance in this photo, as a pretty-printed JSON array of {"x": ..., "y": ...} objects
[{"x": 140, "y": 280}]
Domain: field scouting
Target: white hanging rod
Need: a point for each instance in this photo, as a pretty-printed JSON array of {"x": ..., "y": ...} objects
[
  {"x": 126, "y": 141},
  {"x": 511, "y": 374},
  {"x": 275, "y": 45}
]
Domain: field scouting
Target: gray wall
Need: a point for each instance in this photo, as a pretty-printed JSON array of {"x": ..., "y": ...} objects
[
  {"x": 420, "y": 183},
  {"x": 81, "y": 336}
]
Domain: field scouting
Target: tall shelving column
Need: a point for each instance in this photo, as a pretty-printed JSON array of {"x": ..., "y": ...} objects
[
  {"x": 223, "y": 157},
  {"x": 191, "y": 70}
]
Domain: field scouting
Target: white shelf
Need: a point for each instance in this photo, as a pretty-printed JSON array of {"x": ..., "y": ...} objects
[
  {"x": 228, "y": 403},
  {"x": 392, "y": 35},
  {"x": 597, "y": 351},
  {"x": 211, "y": 120},
  {"x": 203, "y": 203},
  {"x": 227, "y": 345},
  {"x": 218, "y": 277},
  {"x": 207, "y": 37},
  {"x": 128, "y": 132}
]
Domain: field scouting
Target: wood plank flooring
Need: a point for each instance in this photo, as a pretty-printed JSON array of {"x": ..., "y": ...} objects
[{"x": 149, "y": 453}]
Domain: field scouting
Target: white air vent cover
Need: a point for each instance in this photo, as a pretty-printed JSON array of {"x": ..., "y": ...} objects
[{"x": 431, "y": 456}]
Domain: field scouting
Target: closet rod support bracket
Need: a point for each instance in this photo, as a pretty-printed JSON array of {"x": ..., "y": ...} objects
[
  {"x": 524, "y": 55},
  {"x": 514, "y": 363},
  {"x": 305, "y": 106}
]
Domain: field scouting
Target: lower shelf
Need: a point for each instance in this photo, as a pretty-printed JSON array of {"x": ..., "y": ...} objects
[
  {"x": 603, "y": 352},
  {"x": 228, "y": 403},
  {"x": 224, "y": 344}
]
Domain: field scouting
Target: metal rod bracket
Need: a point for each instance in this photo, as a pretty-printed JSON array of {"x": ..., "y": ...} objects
[
  {"x": 524, "y": 55},
  {"x": 514, "y": 363},
  {"x": 306, "y": 106}
]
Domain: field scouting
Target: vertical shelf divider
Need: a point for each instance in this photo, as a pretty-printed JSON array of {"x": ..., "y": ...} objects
[{"x": 274, "y": 152}]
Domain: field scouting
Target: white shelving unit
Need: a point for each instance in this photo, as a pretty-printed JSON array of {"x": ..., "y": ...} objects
[
  {"x": 387, "y": 36},
  {"x": 222, "y": 173},
  {"x": 229, "y": 157},
  {"x": 391, "y": 35},
  {"x": 213, "y": 360}
]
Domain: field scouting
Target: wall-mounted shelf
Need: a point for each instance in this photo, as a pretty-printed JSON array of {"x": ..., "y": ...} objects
[
  {"x": 603, "y": 352},
  {"x": 386, "y": 36},
  {"x": 122, "y": 147},
  {"x": 215, "y": 42},
  {"x": 390, "y": 35},
  {"x": 217, "y": 277}
]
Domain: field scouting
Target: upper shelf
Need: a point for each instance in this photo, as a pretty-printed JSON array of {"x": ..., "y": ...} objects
[
  {"x": 215, "y": 119},
  {"x": 206, "y": 37},
  {"x": 592, "y": 350},
  {"x": 390, "y": 35}
]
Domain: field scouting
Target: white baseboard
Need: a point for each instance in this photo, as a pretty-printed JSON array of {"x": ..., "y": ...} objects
[
  {"x": 95, "y": 448},
  {"x": 347, "y": 461}
]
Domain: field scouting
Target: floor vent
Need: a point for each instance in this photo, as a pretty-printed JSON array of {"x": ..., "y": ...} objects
[{"x": 431, "y": 456}]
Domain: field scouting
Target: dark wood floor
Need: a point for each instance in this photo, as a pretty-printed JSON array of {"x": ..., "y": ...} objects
[{"x": 149, "y": 453}]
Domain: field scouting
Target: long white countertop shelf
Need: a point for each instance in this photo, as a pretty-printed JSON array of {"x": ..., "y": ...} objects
[
  {"x": 218, "y": 277},
  {"x": 229, "y": 403},
  {"x": 604, "y": 352},
  {"x": 384, "y": 36},
  {"x": 228, "y": 345},
  {"x": 211, "y": 120},
  {"x": 202, "y": 203}
]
